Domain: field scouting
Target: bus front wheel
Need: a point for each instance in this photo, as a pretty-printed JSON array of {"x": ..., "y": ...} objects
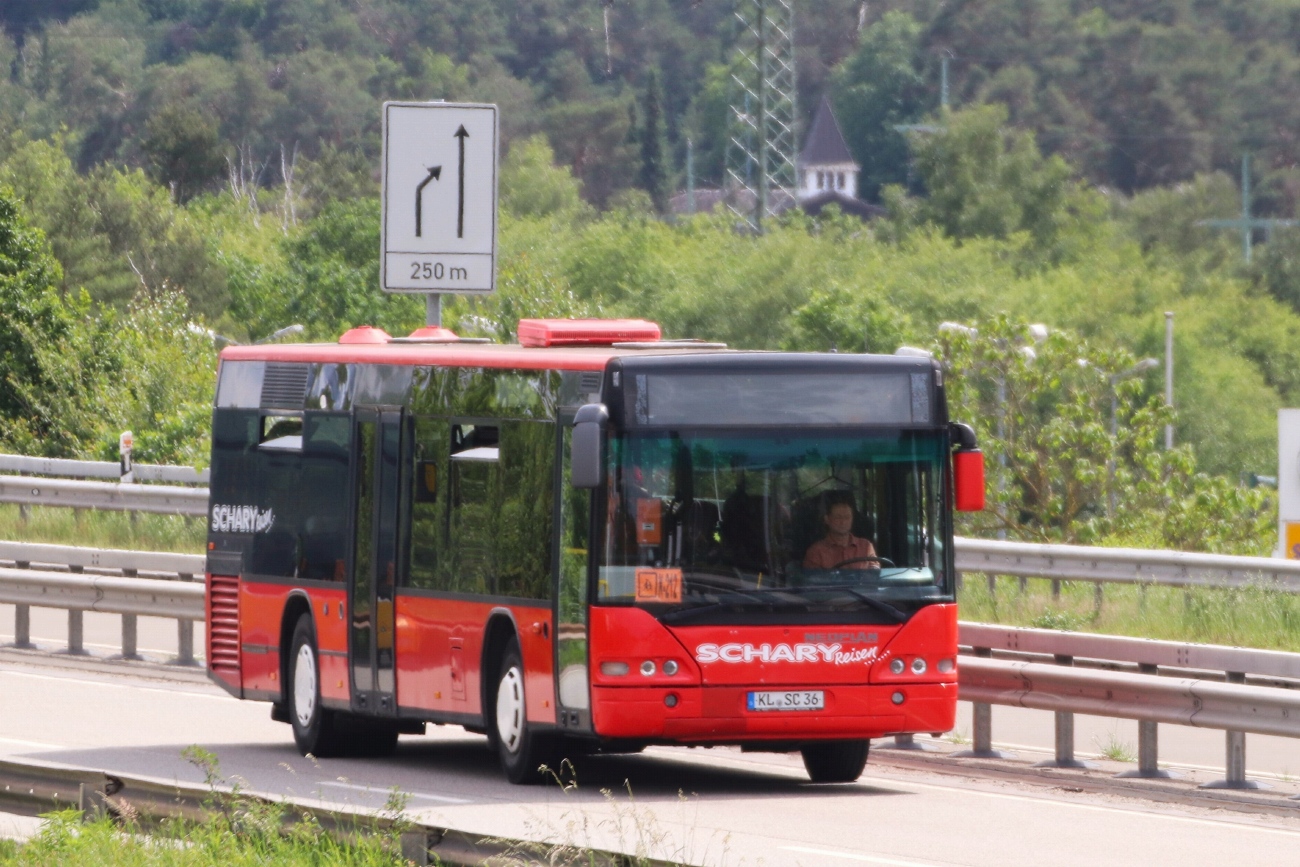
[
  {"x": 314, "y": 730},
  {"x": 521, "y": 749},
  {"x": 835, "y": 761}
]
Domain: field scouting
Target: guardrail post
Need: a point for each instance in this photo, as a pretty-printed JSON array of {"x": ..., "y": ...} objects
[
  {"x": 130, "y": 628},
  {"x": 23, "y": 616},
  {"x": 185, "y": 635},
  {"x": 76, "y": 625},
  {"x": 23, "y": 626},
  {"x": 1148, "y": 745},
  {"x": 982, "y": 725},
  {"x": 1235, "y": 755},
  {"x": 907, "y": 743},
  {"x": 1065, "y": 734},
  {"x": 76, "y": 632}
]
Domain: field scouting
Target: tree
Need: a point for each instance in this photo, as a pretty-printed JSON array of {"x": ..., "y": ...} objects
[
  {"x": 1056, "y": 459},
  {"x": 654, "y": 175},
  {"x": 31, "y": 314},
  {"x": 184, "y": 151},
  {"x": 533, "y": 186},
  {"x": 875, "y": 89},
  {"x": 985, "y": 180}
]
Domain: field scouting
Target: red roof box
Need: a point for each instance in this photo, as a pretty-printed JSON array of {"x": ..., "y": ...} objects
[{"x": 585, "y": 332}]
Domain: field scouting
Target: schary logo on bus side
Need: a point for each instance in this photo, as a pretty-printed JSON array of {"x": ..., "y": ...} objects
[
  {"x": 802, "y": 652},
  {"x": 241, "y": 519}
]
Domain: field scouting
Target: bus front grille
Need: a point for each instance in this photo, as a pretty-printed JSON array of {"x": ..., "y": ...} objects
[{"x": 223, "y": 624}]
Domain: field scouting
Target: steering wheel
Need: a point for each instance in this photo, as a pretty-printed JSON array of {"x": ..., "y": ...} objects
[{"x": 881, "y": 560}]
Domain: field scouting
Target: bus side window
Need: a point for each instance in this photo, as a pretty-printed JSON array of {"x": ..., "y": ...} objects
[
  {"x": 428, "y": 569},
  {"x": 473, "y": 515},
  {"x": 523, "y": 540}
]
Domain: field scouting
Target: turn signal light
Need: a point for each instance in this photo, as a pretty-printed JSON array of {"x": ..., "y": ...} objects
[{"x": 614, "y": 669}]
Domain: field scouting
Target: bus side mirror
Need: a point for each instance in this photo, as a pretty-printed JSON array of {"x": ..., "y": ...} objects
[
  {"x": 967, "y": 469},
  {"x": 586, "y": 458},
  {"x": 968, "y": 480}
]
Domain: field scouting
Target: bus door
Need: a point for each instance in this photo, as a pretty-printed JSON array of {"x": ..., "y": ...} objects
[{"x": 371, "y": 637}]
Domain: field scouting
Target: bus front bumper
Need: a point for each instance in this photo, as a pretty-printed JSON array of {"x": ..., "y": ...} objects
[{"x": 721, "y": 714}]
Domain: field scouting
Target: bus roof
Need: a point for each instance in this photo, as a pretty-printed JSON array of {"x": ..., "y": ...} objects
[{"x": 509, "y": 355}]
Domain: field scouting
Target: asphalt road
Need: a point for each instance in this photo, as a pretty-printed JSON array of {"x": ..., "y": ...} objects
[{"x": 701, "y": 806}]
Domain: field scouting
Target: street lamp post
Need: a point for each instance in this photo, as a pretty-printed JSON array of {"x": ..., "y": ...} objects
[{"x": 1141, "y": 367}]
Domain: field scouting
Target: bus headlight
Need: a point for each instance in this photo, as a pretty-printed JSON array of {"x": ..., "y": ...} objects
[
  {"x": 670, "y": 667},
  {"x": 648, "y": 668},
  {"x": 945, "y": 666},
  {"x": 614, "y": 669},
  {"x": 918, "y": 666},
  {"x": 898, "y": 666}
]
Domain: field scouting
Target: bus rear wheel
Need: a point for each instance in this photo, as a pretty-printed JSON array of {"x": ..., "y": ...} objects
[
  {"x": 835, "y": 761},
  {"x": 521, "y": 749},
  {"x": 314, "y": 729}
]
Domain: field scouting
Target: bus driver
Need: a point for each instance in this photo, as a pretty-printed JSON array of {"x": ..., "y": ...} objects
[{"x": 840, "y": 547}]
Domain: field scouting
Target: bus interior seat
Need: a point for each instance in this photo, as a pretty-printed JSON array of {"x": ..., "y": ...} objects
[{"x": 743, "y": 530}]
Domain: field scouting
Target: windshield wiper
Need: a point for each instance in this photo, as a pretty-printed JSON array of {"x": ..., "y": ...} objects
[
  {"x": 871, "y": 602},
  {"x": 748, "y": 601}
]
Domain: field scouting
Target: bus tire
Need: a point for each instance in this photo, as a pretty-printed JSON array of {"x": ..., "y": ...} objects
[
  {"x": 835, "y": 761},
  {"x": 521, "y": 750},
  {"x": 314, "y": 729}
]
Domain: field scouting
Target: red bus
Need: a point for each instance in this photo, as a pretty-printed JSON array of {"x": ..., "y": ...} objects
[{"x": 594, "y": 540}]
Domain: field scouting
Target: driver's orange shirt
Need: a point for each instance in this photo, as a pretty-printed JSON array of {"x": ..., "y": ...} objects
[{"x": 825, "y": 554}]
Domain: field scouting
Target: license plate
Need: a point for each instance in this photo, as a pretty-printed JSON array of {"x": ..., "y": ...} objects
[{"x": 809, "y": 699}]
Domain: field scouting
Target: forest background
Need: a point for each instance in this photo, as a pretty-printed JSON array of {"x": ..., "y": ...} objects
[{"x": 175, "y": 173}]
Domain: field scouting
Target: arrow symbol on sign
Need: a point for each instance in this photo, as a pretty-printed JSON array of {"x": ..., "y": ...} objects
[
  {"x": 434, "y": 174},
  {"x": 461, "y": 134}
]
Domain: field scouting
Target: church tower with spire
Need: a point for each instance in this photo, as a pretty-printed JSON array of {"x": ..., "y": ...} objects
[{"x": 825, "y": 164}]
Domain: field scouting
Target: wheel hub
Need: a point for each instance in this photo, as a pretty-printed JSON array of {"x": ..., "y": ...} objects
[
  {"x": 510, "y": 709},
  {"x": 304, "y": 686}
]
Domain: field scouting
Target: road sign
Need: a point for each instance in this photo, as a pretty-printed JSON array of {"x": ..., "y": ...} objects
[{"x": 439, "y": 231}]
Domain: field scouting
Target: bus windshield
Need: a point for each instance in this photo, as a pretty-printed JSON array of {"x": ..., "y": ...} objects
[{"x": 836, "y": 526}]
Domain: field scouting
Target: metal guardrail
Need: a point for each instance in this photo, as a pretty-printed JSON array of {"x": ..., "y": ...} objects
[
  {"x": 100, "y": 470},
  {"x": 77, "y": 558},
  {"x": 129, "y": 596},
  {"x": 1122, "y": 565},
  {"x": 170, "y": 500},
  {"x": 1221, "y": 699},
  {"x": 31, "y": 788}
]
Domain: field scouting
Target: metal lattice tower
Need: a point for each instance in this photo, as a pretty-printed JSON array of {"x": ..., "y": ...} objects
[{"x": 764, "y": 142}]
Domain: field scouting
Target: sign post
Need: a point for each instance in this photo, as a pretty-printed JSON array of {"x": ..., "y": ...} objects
[{"x": 439, "y": 229}]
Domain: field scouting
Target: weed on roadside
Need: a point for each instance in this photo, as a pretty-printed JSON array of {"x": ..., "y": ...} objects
[
  {"x": 238, "y": 830},
  {"x": 623, "y": 825},
  {"x": 1115, "y": 749}
]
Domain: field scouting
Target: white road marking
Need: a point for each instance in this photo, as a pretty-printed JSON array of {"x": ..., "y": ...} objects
[
  {"x": 897, "y": 783},
  {"x": 186, "y": 688},
  {"x": 62, "y": 642},
  {"x": 36, "y": 744},
  {"x": 866, "y": 859},
  {"x": 371, "y": 790}
]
